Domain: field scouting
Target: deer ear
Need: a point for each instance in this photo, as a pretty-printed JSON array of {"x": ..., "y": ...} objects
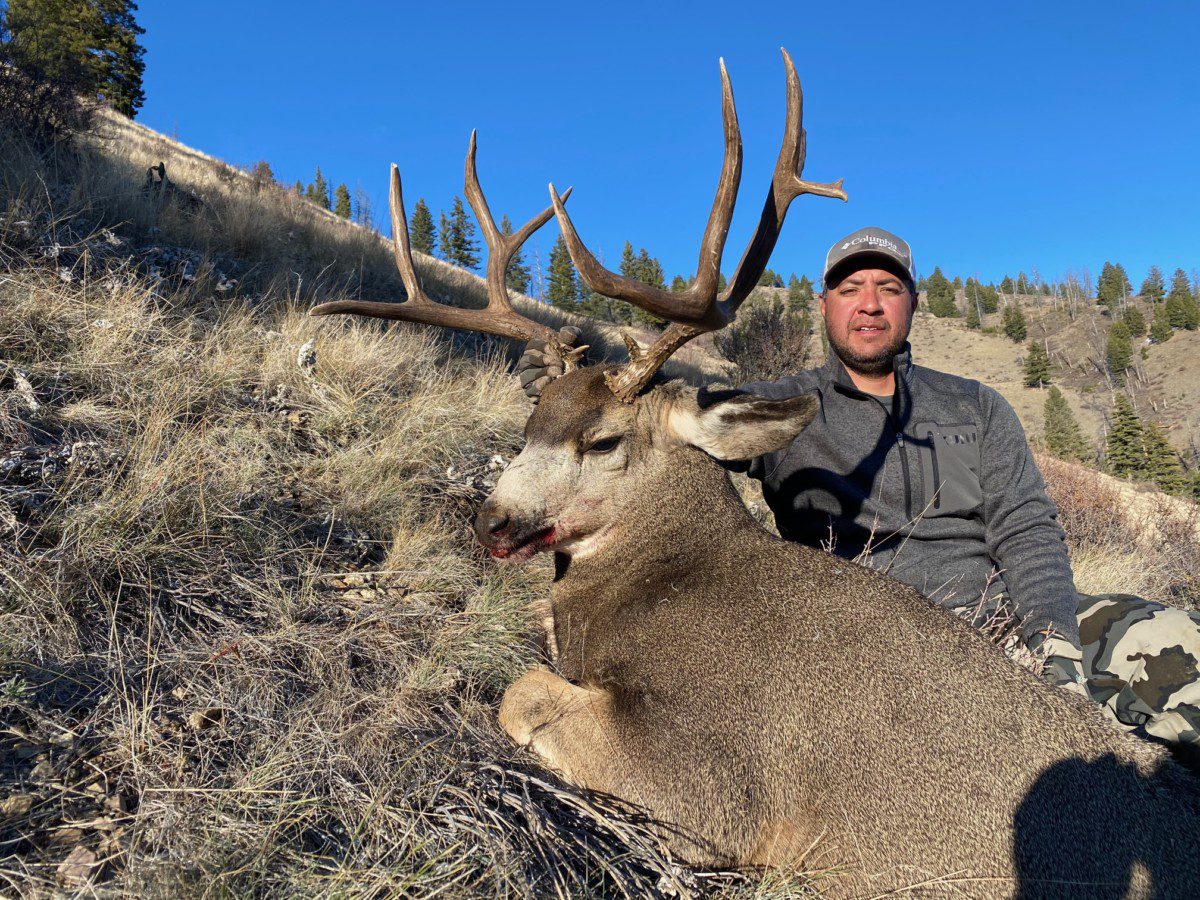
[{"x": 735, "y": 425}]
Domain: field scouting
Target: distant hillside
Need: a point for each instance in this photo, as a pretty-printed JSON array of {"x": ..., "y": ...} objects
[{"x": 1165, "y": 386}]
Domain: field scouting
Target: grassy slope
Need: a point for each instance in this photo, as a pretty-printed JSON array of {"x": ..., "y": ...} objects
[
  {"x": 248, "y": 643},
  {"x": 1163, "y": 386}
]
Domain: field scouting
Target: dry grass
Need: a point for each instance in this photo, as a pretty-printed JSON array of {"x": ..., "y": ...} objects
[
  {"x": 247, "y": 642},
  {"x": 1124, "y": 541}
]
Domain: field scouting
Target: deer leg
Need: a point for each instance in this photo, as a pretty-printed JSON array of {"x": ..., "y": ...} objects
[
  {"x": 573, "y": 730},
  {"x": 568, "y": 727}
]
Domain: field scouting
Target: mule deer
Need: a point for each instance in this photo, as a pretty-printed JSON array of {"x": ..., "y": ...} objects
[{"x": 767, "y": 703}]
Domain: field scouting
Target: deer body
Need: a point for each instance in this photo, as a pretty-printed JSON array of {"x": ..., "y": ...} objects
[{"x": 774, "y": 705}]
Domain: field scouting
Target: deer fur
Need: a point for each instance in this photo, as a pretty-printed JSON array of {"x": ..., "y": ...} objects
[{"x": 773, "y": 705}]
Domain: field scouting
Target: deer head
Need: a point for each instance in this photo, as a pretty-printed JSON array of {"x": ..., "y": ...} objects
[{"x": 593, "y": 464}]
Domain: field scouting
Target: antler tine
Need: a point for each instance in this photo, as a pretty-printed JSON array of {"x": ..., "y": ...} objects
[
  {"x": 786, "y": 186},
  {"x": 501, "y": 247},
  {"x": 698, "y": 304},
  {"x": 498, "y": 318}
]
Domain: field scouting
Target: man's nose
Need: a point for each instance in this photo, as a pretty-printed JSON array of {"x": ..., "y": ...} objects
[{"x": 869, "y": 301}]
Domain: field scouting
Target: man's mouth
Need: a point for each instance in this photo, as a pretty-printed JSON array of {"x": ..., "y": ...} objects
[
  {"x": 868, "y": 329},
  {"x": 528, "y": 546}
]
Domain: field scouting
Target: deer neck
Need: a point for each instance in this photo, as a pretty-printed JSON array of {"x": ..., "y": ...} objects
[{"x": 684, "y": 523}]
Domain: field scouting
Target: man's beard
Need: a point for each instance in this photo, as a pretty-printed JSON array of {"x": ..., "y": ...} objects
[{"x": 873, "y": 364}]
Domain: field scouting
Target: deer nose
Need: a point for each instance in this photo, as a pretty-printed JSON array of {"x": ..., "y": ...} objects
[{"x": 490, "y": 523}]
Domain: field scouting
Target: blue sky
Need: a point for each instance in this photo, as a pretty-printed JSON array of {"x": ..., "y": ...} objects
[{"x": 993, "y": 137}]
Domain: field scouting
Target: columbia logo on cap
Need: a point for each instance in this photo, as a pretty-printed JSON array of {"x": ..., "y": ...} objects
[{"x": 867, "y": 241}]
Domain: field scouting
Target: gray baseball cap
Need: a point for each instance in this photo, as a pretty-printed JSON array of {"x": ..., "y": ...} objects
[{"x": 892, "y": 252}]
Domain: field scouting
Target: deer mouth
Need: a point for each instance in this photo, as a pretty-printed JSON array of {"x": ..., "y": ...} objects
[{"x": 527, "y": 546}]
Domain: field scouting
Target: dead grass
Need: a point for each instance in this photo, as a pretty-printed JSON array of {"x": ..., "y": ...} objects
[
  {"x": 247, "y": 642},
  {"x": 1125, "y": 541}
]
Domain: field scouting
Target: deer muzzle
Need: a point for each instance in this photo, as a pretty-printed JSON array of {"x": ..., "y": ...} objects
[{"x": 511, "y": 537}]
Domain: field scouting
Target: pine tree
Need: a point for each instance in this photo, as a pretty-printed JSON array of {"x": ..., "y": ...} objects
[
  {"x": 564, "y": 284},
  {"x": 679, "y": 284},
  {"x": 769, "y": 278},
  {"x": 1007, "y": 286},
  {"x": 939, "y": 295},
  {"x": 648, "y": 270},
  {"x": 445, "y": 238},
  {"x": 458, "y": 240},
  {"x": 1182, "y": 310},
  {"x": 261, "y": 174},
  {"x": 1154, "y": 288},
  {"x": 988, "y": 298},
  {"x": 800, "y": 293},
  {"x": 972, "y": 319},
  {"x": 420, "y": 228},
  {"x": 1125, "y": 444},
  {"x": 1037, "y": 365},
  {"x": 298, "y": 187},
  {"x": 1134, "y": 320},
  {"x": 628, "y": 266},
  {"x": 1118, "y": 352},
  {"x": 1163, "y": 466},
  {"x": 1013, "y": 320},
  {"x": 341, "y": 201},
  {"x": 1160, "y": 329},
  {"x": 983, "y": 296},
  {"x": 1113, "y": 288},
  {"x": 89, "y": 44},
  {"x": 1062, "y": 435},
  {"x": 1024, "y": 285},
  {"x": 957, "y": 282},
  {"x": 318, "y": 191},
  {"x": 517, "y": 275}
]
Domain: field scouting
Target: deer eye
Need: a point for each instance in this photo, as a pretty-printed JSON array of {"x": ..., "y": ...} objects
[{"x": 604, "y": 445}]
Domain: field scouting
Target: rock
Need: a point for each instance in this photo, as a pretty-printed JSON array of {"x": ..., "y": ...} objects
[
  {"x": 16, "y": 805},
  {"x": 64, "y": 837},
  {"x": 78, "y": 868},
  {"x": 202, "y": 720}
]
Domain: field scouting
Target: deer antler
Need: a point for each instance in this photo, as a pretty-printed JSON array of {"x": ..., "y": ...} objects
[
  {"x": 699, "y": 309},
  {"x": 498, "y": 317}
]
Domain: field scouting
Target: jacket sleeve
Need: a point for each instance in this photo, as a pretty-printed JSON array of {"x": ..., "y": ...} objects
[{"x": 1021, "y": 525}]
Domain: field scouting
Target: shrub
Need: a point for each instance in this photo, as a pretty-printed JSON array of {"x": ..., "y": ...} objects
[{"x": 765, "y": 342}]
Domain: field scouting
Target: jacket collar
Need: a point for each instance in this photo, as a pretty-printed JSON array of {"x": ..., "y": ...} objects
[{"x": 834, "y": 371}]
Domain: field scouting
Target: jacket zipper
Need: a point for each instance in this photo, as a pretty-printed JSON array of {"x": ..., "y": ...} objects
[
  {"x": 903, "y": 466},
  {"x": 937, "y": 479}
]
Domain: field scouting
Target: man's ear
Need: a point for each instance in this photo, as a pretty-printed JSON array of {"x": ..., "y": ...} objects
[{"x": 735, "y": 425}]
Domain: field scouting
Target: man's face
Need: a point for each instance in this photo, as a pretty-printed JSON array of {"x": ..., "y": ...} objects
[{"x": 867, "y": 317}]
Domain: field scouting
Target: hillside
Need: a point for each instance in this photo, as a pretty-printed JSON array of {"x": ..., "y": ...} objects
[
  {"x": 1163, "y": 385},
  {"x": 248, "y": 644}
]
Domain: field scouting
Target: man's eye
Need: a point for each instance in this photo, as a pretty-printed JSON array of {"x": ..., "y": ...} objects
[{"x": 604, "y": 445}]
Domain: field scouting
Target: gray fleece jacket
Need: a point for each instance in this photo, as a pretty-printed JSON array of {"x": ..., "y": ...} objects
[{"x": 941, "y": 485}]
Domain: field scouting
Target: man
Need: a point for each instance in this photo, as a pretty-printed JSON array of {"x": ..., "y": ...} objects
[{"x": 929, "y": 477}]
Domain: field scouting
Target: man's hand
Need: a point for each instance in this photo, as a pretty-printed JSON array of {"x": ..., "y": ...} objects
[
  {"x": 541, "y": 362},
  {"x": 1062, "y": 661}
]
